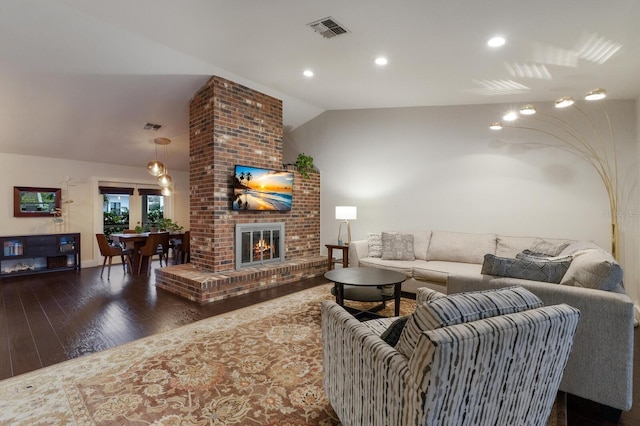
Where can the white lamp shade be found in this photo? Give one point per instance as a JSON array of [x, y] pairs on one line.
[[346, 212]]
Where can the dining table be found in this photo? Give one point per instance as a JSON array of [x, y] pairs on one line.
[[136, 241]]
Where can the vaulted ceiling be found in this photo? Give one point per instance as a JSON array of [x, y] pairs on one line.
[[80, 78]]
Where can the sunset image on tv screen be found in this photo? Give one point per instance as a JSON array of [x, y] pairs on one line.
[[262, 189]]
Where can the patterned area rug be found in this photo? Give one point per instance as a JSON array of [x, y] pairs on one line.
[[260, 365]]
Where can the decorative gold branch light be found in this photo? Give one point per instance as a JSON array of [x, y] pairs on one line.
[[600, 153]]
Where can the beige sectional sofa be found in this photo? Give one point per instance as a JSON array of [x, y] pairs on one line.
[[600, 367]]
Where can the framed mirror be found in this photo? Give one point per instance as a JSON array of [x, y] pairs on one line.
[[35, 202]]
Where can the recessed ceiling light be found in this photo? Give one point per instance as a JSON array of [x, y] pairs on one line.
[[496, 41], [510, 116], [308, 73], [380, 60]]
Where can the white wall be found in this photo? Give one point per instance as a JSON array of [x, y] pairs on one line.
[[442, 168], [86, 210]]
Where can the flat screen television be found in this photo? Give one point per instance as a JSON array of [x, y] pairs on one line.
[[262, 189]]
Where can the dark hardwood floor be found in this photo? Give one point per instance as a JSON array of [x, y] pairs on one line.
[[49, 318]]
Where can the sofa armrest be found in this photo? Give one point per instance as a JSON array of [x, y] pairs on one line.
[[600, 367], [361, 371], [357, 250]]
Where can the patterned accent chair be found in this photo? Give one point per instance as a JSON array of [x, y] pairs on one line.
[[469, 359]]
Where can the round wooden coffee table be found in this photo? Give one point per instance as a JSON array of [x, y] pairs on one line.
[[365, 277]]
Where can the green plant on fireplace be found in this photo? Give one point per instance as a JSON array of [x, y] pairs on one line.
[[304, 164]]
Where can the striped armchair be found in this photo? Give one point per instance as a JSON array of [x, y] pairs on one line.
[[503, 369]]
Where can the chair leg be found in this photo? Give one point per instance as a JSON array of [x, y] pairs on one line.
[[103, 263], [130, 263], [109, 271], [140, 264]]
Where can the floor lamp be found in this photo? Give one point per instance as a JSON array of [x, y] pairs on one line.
[[345, 214]]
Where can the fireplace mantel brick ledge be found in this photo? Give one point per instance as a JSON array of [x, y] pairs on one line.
[[205, 287]]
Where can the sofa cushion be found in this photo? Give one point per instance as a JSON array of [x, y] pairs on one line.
[[396, 246], [549, 271], [510, 246], [374, 241], [593, 268], [403, 266], [460, 247], [438, 271], [421, 241], [463, 307]]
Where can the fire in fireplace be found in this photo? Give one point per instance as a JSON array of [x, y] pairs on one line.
[[259, 243]]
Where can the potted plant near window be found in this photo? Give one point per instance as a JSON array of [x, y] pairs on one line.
[[166, 224]]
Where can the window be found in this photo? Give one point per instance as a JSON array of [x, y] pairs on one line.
[[124, 210], [115, 209], [152, 209]]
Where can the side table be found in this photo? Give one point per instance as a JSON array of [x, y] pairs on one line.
[[345, 255]]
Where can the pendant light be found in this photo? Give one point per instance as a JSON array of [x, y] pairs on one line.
[[164, 179], [155, 167]]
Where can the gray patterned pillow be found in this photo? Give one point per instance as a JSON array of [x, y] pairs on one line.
[[549, 248], [461, 308], [533, 269], [375, 244], [397, 246], [529, 255]]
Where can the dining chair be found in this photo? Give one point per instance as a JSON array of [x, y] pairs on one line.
[[182, 250], [109, 251], [149, 250], [163, 248]]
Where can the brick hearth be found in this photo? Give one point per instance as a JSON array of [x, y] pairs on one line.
[[232, 124], [204, 287]]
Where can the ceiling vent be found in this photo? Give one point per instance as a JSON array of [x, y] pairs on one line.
[[151, 126], [328, 27]]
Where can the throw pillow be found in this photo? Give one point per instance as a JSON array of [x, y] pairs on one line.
[[463, 307], [396, 246], [549, 248], [375, 244], [593, 268], [533, 269], [392, 334], [529, 255]]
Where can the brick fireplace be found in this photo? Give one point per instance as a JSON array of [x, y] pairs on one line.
[[231, 124], [259, 243]]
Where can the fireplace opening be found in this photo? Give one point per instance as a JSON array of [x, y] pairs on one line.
[[259, 243]]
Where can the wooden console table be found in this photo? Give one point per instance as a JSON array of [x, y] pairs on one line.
[[345, 255], [33, 254]]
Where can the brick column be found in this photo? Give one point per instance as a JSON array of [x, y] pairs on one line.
[[231, 124]]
